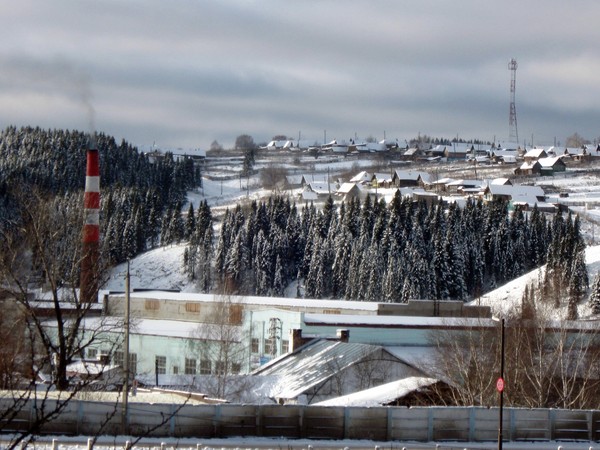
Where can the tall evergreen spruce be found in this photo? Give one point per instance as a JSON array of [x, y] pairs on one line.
[[594, 300]]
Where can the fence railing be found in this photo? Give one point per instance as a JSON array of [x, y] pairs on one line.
[[418, 424]]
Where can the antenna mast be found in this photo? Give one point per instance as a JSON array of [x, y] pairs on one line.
[[512, 117]]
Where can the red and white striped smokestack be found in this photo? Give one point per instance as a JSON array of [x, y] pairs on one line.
[[91, 228]]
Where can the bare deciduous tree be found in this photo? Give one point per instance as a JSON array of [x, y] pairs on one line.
[[40, 251]]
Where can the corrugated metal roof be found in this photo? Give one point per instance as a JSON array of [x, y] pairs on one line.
[[313, 364]]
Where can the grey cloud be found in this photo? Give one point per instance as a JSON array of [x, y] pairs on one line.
[[187, 72]]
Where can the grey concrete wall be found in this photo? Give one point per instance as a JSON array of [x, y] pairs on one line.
[[470, 424]]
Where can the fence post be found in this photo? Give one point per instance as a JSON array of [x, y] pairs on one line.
[[216, 421], [259, 422], [430, 424], [472, 424], [346, 422], [301, 422], [172, 421], [79, 417], [390, 424]]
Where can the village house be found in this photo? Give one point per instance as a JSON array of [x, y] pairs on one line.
[[534, 154], [550, 166], [408, 178], [382, 180], [362, 178], [547, 166], [348, 191]]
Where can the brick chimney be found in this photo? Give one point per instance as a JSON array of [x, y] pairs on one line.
[[296, 339], [343, 334]]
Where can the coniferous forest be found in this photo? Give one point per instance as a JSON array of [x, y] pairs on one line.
[[373, 251], [360, 250], [141, 199]]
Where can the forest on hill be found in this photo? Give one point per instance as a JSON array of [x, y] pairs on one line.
[[360, 250], [373, 251], [141, 196]]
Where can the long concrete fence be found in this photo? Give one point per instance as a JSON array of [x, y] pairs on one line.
[[426, 424]]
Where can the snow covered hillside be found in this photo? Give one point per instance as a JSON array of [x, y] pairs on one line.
[[162, 268]]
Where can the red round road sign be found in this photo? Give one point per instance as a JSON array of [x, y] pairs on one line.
[[500, 384]]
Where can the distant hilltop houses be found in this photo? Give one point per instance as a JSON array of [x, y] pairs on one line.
[[505, 153], [422, 185]]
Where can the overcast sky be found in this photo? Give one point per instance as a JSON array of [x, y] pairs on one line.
[[183, 73]]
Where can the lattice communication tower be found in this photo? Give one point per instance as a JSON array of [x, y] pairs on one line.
[[512, 116]]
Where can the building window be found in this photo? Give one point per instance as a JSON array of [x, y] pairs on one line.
[[220, 368], [133, 363], [92, 353], [151, 305], [175, 370], [192, 307], [236, 368], [190, 366], [254, 345], [205, 367], [160, 365], [271, 346], [118, 358], [285, 346]]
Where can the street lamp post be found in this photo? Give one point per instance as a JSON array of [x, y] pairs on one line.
[[500, 384]]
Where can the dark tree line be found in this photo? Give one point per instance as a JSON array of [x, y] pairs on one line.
[[373, 251], [142, 197]]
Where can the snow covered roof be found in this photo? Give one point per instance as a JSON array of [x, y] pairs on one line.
[[347, 187], [467, 183], [549, 162], [361, 177], [308, 178], [321, 187], [343, 320], [518, 192], [535, 153], [412, 175], [311, 365], [383, 177], [308, 196], [156, 327], [381, 395], [299, 303]]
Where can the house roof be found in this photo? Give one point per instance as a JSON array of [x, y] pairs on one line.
[[382, 177], [528, 165], [310, 177], [381, 395], [465, 183], [347, 187], [311, 365], [321, 187], [361, 177], [309, 195], [518, 192], [500, 182], [549, 162], [412, 175], [535, 153]]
